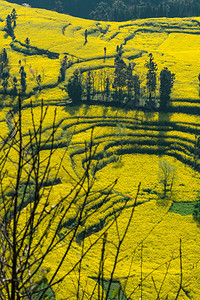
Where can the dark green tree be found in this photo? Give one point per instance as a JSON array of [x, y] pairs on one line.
[[120, 75], [88, 86], [75, 87], [59, 6], [107, 88], [119, 11], [63, 69], [27, 41], [105, 53], [86, 34], [13, 17], [5, 57], [5, 76], [9, 28], [151, 78], [102, 12], [39, 81], [166, 84], [1, 69], [136, 88], [119, 51], [14, 83], [129, 82], [3, 63], [23, 79]]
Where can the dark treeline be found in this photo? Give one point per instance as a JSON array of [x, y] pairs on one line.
[[120, 10], [79, 8]]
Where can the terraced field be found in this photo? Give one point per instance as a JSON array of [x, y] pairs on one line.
[[130, 147], [173, 42]]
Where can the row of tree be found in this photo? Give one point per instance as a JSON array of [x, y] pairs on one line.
[[120, 10], [126, 10], [124, 86], [11, 23], [5, 77]]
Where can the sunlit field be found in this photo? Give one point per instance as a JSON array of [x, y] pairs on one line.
[[130, 149], [173, 42]]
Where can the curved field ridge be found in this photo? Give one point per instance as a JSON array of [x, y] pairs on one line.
[[120, 139]]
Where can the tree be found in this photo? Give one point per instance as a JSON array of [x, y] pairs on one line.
[[14, 17], [120, 74], [166, 176], [59, 6], [27, 41], [88, 83], [119, 11], [129, 81], [166, 84], [5, 57], [105, 54], [23, 79], [1, 69], [107, 88], [11, 23], [63, 69], [86, 35], [39, 81], [5, 76], [9, 28], [101, 13], [14, 83], [3, 62], [75, 87], [151, 78], [136, 88], [4, 70]]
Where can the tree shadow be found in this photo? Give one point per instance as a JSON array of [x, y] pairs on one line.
[[72, 109]]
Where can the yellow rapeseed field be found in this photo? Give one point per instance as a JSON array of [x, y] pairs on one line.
[[131, 147], [173, 42]]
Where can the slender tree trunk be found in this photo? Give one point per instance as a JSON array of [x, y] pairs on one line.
[[15, 198]]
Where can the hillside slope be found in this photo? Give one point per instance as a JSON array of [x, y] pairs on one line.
[[131, 145], [175, 43]]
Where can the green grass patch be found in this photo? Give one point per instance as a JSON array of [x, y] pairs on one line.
[[183, 208], [115, 292]]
